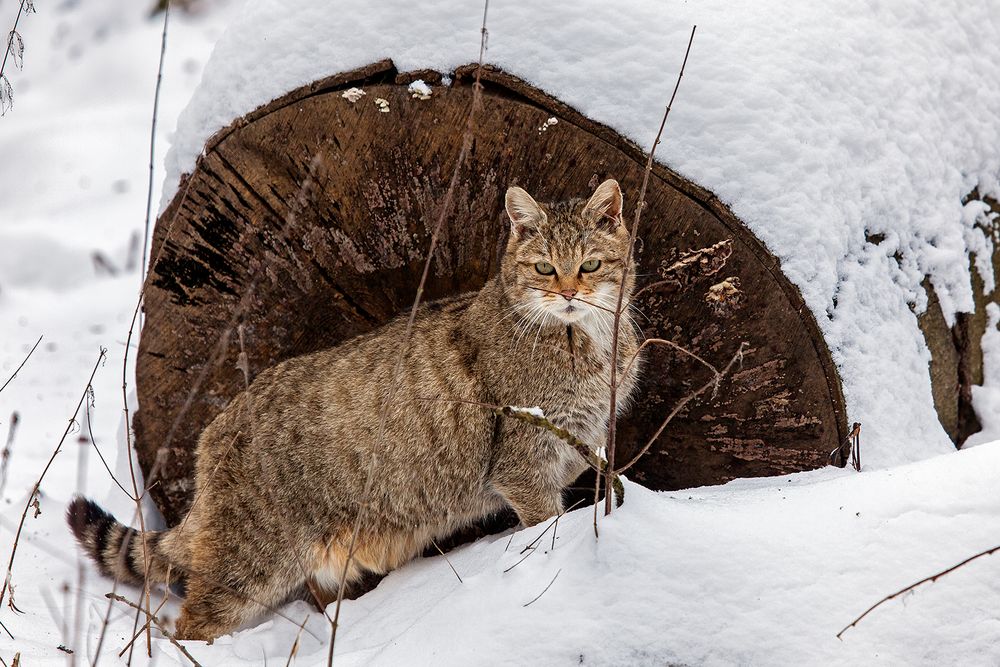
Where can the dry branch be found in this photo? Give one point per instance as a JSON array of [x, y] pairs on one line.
[[932, 578], [159, 624], [639, 205], [712, 383], [152, 136], [6, 92]]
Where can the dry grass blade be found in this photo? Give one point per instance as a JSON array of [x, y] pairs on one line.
[[23, 362], [159, 624], [97, 449], [616, 328], [544, 590], [34, 490], [932, 578], [533, 544], [295, 645], [447, 560]]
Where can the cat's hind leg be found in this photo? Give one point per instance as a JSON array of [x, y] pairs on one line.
[[229, 587]]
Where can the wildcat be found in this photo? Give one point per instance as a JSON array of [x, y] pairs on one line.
[[281, 473]]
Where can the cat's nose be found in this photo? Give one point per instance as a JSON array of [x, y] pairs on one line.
[[568, 294]]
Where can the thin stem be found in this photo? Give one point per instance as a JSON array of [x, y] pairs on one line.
[[38, 482], [152, 137], [467, 142], [933, 577], [535, 599], [159, 624], [23, 362], [671, 344], [10, 36], [713, 382], [640, 204]]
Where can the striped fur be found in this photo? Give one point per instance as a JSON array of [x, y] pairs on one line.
[[117, 549], [281, 473]]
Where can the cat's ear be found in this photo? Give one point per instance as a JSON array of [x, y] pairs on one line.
[[605, 205], [524, 212]]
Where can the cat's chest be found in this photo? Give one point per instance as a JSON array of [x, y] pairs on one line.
[[568, 384]]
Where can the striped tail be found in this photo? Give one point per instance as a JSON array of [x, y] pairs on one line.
[[118, 550]]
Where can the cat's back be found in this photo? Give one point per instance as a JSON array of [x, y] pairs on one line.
[[339, 392]]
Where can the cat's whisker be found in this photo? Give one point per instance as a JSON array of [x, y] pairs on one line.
[[540, 320], [537, 311], [540, 325]]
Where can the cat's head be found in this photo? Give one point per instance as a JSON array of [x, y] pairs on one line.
[[564, 262]]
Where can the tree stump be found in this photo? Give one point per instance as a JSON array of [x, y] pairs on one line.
[[307, 222]]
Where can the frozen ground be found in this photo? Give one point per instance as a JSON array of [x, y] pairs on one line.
[[886, 118]]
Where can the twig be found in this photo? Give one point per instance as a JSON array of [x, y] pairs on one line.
[[932, 578], [713, 382], [447, 561], [18, 369], [532, 545], [467, 142], [573, 441], [159, 624], [639, 205], [295, 645], [152, 137], [145, 242], [97, 449], [668, 343], [6, 91], [38, 482], [543, 590]]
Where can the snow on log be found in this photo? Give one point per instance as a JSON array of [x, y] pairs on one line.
[[307, 222]]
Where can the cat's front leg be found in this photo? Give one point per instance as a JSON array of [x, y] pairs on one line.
[[528, 488], [532, 504]]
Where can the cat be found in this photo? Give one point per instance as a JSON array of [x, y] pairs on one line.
[[281, 473]]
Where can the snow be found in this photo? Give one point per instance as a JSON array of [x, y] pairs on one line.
[[420, 90], [816, 123], [533, 411]]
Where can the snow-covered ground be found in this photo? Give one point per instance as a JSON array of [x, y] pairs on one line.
[[882, 117]]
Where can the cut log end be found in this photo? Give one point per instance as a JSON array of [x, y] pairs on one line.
[[308, 220]]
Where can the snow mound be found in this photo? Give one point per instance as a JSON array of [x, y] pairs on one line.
[[755, 572]]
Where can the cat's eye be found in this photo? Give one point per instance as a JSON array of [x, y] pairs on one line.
[[545, 268], [590, 265]]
